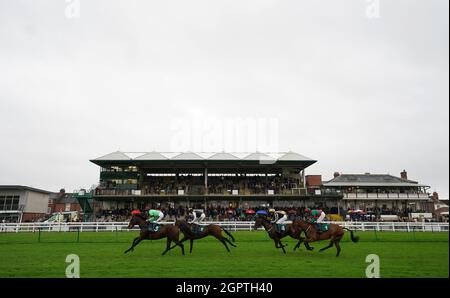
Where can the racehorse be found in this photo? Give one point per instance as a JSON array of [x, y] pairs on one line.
[[209, 230], [290, 230], [335, 233], [170, 231]]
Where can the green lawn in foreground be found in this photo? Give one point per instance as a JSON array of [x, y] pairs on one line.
[[101, 255]]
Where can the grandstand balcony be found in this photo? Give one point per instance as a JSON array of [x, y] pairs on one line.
[[385, 196]]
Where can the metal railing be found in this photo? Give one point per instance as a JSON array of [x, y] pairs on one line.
[[231, 225]]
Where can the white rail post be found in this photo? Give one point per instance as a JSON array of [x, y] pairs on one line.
[[393, 226], [96, 226]]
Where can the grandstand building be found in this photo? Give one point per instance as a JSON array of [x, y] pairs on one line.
[[20, 203], [383, 194], [244, 180]]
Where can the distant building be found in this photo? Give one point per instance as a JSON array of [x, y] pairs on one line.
[[63, 202], [383, 191], [22, 203], [439, 207]]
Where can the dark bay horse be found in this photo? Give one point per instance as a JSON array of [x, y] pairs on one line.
[[208, 230], [291, 230], [171, 232], [335, 233]]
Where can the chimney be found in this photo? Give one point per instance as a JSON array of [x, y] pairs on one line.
[[435, 196], [336, 174], [404, 175], [61, 193]]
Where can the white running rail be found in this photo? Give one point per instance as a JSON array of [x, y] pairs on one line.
[[230, 225]]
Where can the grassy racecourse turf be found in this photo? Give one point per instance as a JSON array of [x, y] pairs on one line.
[[101, 255]]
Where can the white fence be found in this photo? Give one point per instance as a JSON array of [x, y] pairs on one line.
[[230, 225]]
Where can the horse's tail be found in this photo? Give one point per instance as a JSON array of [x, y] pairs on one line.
[[353, 237], [228, 233]]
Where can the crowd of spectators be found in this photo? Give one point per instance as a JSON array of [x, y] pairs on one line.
[[219, 184], [223, 213]]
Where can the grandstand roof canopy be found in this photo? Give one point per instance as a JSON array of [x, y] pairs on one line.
[[23, 188], [204, 158], [381, 180]]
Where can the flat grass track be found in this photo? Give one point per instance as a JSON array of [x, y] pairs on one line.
[[402, 254]]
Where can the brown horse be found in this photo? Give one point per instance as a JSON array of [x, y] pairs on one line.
[[291, 230], [209, 230], [335, 233], [170, 231]]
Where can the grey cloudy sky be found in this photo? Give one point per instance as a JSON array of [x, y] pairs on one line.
[[357, 92]]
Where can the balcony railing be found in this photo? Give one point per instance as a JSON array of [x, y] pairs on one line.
[[133, 191], [385, 196]]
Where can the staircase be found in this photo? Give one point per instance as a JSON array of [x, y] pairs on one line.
[[86, 201]]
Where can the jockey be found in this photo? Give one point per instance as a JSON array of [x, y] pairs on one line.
[[315, 216], [155, 216], [276, 216], [196, 216]]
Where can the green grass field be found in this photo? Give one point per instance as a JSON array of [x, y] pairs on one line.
[[101, 255]]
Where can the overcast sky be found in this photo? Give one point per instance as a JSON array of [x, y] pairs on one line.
[[360, 86]]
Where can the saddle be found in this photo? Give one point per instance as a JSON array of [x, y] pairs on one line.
[[322, 227], [280, 228], [196, 228], [154, 227]]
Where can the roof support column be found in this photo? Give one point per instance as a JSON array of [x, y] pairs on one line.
[[303, 178], [206, 181]]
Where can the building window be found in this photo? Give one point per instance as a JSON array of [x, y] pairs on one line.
[[9, 202]]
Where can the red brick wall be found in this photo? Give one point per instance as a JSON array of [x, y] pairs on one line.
[[62, 207], [27, 217], [313, 180]]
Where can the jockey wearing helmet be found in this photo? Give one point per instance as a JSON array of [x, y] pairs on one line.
[[316, 215], [276, 216], [155, 215], [196, 216]]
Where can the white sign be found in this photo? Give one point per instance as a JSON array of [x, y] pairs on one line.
[[419, 215]]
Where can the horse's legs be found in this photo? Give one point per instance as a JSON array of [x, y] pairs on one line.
[[282, 246], [224, 243], [298, 244], [178, 243], [327, 247], [135, 242], [278, 244], [181, 241], [338, 248], [307, 246], [229, 242], [167, 246], [191, 245], [181, 245]]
